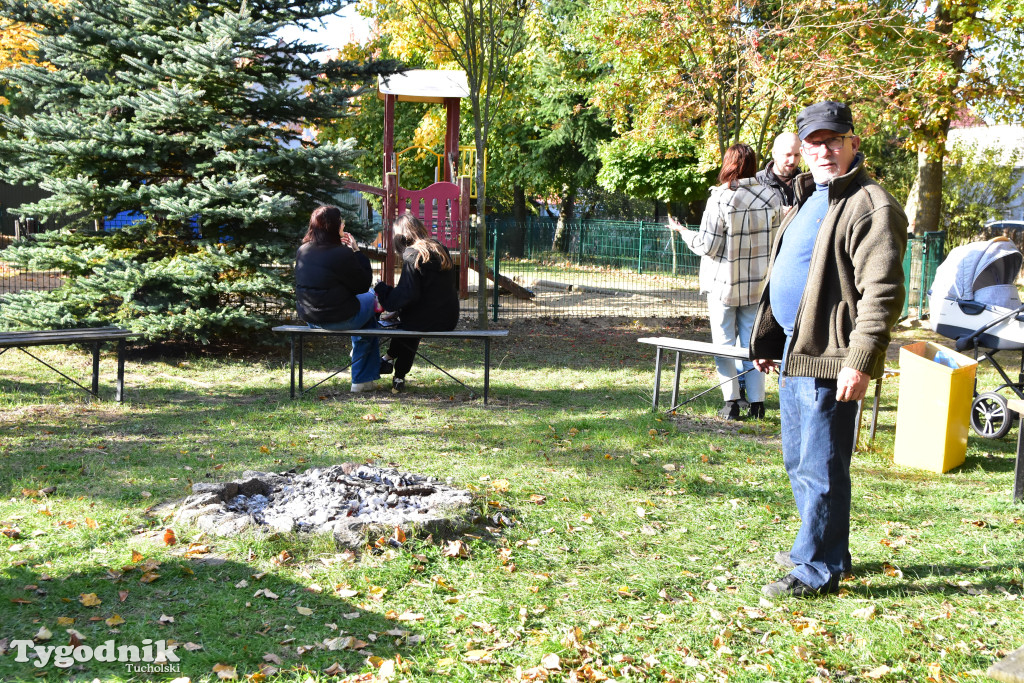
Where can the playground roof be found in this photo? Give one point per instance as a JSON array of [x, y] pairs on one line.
[[424, 85]]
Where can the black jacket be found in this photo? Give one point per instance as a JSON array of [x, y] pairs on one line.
[[327, 279], [766, 176], [427, 297]]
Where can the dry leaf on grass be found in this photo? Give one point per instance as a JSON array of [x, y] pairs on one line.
[[169, 537], [225, 672], [115, 620], [879, 672], [89, 599], [456, 549]]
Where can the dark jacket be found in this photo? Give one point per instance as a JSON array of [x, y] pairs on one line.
[[426, 297], [327, 279], [766, 176], [855, 290]]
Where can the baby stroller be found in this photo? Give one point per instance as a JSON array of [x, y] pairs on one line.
[[974, 301]]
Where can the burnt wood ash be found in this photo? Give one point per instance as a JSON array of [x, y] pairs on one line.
[[350, 500]]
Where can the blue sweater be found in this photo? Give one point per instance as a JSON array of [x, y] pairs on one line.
[[789, 275]]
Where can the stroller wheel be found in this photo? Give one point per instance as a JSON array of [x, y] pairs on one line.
[[990, 416]]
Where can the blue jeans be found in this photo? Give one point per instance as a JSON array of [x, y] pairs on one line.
[[731, 326], [818, 435], [365, 350]]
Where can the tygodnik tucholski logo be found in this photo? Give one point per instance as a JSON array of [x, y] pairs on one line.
[[153, 656]]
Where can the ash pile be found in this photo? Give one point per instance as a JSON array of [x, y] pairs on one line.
[[351, 501]]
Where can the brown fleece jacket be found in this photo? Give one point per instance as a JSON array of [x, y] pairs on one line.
[[854, 293]]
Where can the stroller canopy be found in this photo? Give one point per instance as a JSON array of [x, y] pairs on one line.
[[980, 271]]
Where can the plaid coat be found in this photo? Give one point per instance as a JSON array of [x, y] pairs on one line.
[[735, 240]]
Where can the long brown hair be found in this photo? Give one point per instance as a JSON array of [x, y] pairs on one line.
[[410, 233], [738, 162], [325, 226]]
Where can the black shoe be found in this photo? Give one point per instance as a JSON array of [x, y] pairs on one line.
[[386, 366], [792, 587], [756, 410], [730, 411], [397, 385], [782, 559]]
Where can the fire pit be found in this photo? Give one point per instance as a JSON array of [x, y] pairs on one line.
[[351, 501]]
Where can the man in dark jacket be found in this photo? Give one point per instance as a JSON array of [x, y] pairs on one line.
[[834, 290], [778, 173]]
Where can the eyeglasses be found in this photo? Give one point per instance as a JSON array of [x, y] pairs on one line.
[[833, 144]]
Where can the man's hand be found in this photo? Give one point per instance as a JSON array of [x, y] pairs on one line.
[[852, 385], [765, 365]]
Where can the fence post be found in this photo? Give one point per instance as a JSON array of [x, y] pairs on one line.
[[640, 251], [579, 252], [496, 288]]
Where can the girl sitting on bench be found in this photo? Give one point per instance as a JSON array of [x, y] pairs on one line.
[[332, 290], [426, 296]]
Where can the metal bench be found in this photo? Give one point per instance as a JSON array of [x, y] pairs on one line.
[[90, 336], [297, 334]]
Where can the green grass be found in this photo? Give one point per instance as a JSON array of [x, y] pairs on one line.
[[643, 562]]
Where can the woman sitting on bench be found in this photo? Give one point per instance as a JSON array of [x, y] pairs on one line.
[[332, 290], [426, 296]]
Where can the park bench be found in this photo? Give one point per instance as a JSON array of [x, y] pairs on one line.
[[297, 334], [90, 336], [681, 346]]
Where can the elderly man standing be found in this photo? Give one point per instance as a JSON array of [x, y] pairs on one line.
[[778, 173], [833, 291]]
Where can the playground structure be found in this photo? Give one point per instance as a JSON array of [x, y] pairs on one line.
[[443, 206]]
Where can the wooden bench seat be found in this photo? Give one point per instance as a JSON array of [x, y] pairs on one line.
[[298, 332], [91, 336]]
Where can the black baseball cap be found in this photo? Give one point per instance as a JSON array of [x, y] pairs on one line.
[[827, 115]]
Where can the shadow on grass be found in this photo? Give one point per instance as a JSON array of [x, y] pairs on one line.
[[209, 607]]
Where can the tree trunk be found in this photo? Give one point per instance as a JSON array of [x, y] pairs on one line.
[[565, 215], [481, 239], [924, 206]]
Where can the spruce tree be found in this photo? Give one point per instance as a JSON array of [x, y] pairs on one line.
[[195, 118]]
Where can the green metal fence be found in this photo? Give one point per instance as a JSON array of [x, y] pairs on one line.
[[618, 268]]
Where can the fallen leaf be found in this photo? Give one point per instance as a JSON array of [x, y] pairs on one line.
[[500, 485], [137, 556], [149, 577], [192, 647], [272, 658], [89, 599], [551, 662], [225, 672], [879, 672], [65, 621], [410, 616], [478, 657], [43, 634], [304, 611], [164, 619], [169, 537], [115, 620], [456, 549]]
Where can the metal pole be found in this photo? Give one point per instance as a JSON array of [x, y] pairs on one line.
[[494, 305]]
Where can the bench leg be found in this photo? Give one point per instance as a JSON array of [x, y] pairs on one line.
[[300, 363], [119, 391], [96, 369], [657, 379], [675, 380], [487, 365], [292, 355]]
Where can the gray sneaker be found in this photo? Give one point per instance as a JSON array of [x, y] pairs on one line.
[[358, 387], [790, 586]]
